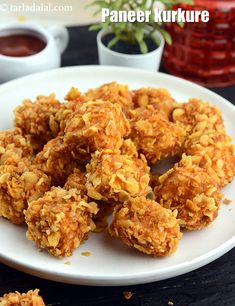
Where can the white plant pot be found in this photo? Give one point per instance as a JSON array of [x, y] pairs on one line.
[[149, 61]]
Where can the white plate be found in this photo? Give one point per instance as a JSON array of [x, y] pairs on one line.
[[110, 262]]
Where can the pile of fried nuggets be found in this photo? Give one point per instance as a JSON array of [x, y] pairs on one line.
[[65, 166]]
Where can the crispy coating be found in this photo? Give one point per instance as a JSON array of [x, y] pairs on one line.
[[113, 176], [114, 93], [65, 113], [19, 184], [207, 141], [96, 125], [56, 160], [59, 221], [189, 189], [214, 153], [129, 148], [77, 180], [74, 95], [159, 98], [13, 145], [146, 226], [31, 298], [198, 117], [37, 119], [155, 136], [74, 99]]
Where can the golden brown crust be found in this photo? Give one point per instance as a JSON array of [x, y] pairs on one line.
[[96, 125], [73, 98], [214, 153], [19, 184], [155, 136], [74, 95], [13, 145], [114, 93], [113, 176], [31, 298], [146, 226], [129, 148], [56, 160], [59, 221], [37, 119], [207, 141], [159, 98], [191, 191], [77, 180], [198, 116]]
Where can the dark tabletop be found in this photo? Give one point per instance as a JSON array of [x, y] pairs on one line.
[[214, 284]]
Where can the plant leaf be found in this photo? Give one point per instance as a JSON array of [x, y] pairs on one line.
[[181, 24], [166, 36], [95, 27], [139, 35], [113, 42], [101, 3], [191, 2], [155, 39], [170, 3], [143, 47]]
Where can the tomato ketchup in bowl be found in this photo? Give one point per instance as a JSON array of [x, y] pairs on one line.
[[30, 48], [21, 45]]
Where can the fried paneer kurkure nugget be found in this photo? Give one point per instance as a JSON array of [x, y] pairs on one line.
[[215, 153], [96, 125], [14, 145], [31, 298], [20, 183], [114, 176], [207, 141], [189, 189], [146, 226], [198, 116], [56, 160], [159, 98], [154, 135], [59, 221], [37, 120], [114, 93]]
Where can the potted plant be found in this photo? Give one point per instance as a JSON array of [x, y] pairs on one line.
[[132, 44]]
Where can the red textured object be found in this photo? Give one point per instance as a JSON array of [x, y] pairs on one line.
[[204, 52]]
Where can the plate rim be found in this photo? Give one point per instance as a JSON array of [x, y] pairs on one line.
[[132, 279]]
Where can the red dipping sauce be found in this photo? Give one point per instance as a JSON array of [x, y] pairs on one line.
[[20, 45]]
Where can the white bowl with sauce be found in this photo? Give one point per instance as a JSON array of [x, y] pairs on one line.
[[30, 48]]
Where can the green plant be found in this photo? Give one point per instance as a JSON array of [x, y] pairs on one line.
[[134, 33]]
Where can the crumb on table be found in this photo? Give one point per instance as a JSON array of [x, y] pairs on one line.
[[68, 263], [227, 201], [86, 253], [127, 295]]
